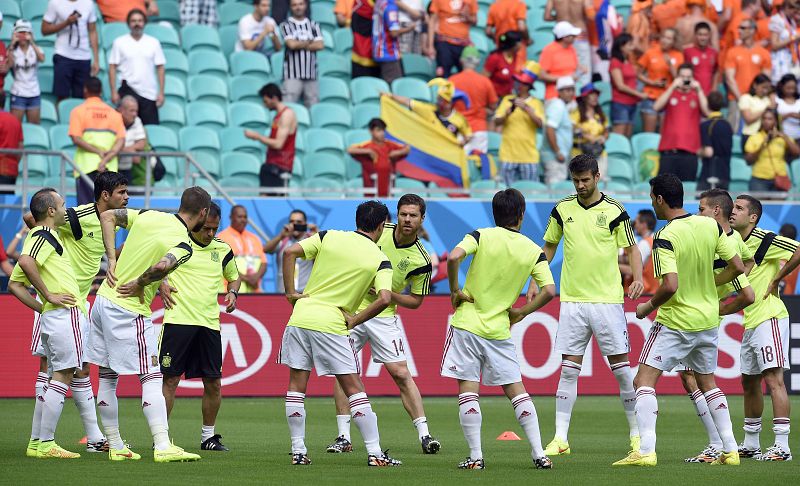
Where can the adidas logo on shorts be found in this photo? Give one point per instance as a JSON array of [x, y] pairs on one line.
[[657, 358], [452, 368], [296, 414], [471, 411], [358, 414]]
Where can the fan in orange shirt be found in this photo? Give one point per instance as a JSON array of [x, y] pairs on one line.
[[657, 68]]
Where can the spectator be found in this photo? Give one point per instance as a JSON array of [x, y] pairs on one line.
[[448, 29], [684, 104], [639, 25], [574, 16], [378, 157], [590, 128], [303, 38], [135, 136], [559, 59], [281, 141], [18, 240], [766, 151], [624, 93], [753, 103], [716, 139], [519, 118], [783, 39], [98, 133], [412, 13], [23, 59], [361, 26], [657, 68], [788, 105], [139, 58], [788, 285], [3, 66], [5, 265], [297, 229], [203, 12], [605, 23], [501, 64], [343, 10], [509, 16], [386, 31], [743, 63], [247, 250], [644, 224], [686, 26], [117, 10], [666, 14], [750, 10], [10, 138], [704, 58], [75, 24], [258, 31], [558, 132], [482, 99]]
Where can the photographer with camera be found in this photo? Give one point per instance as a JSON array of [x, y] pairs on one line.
[[23, 59], [297, 229], [684, 105]]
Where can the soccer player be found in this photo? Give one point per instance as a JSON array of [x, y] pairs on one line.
[[411, 266], [478, 345], [346, 266], [766, 332], [686, 329], [45, 263], [81, 236], [717, 204], [594, 227], [122, 339], [191, 342]]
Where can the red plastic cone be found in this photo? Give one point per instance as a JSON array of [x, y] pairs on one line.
[[508, 435], [83, 441]]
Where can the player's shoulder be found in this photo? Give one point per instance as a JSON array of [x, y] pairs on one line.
[[42, 235], [566, 202], [760, 233], [220, 245], [613, 204], [421, 253], [82, 211]]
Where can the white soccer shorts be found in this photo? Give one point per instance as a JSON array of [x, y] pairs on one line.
[[329, 354], [36, 341], [63, 332], [765, 346], [470, 357], [578, 321], [666, 348], [385, 338]]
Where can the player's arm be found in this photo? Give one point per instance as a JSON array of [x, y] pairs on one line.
[[169, 262], [109, 220], [409, 301], [666, 268], [420, 280], [232, 295], [542, 278], [383, 286], [734, 268], [28, 220], [28, 265], [744, 297], [787, 268], [454, 259], [22, 294], [635, 261], [231, 273], [290, 256]]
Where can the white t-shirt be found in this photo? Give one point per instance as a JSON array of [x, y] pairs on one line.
[[73, 40], [250, 28], [133, 134], [790, 126], [26, 77], [136, 63], [402, 16]]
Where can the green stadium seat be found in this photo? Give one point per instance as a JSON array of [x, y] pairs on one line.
[[322, 187], [540, 25], [485, 189], [41, 40], [480, 41], [561, 189], [356, 135], [354, 187], [168, 36], [300, 142], [45, 81], [208, 62], [33, 10], [643, 141], [481, 17], [245, 88], [417, 66], [618, 146], [49, 114], [168, 11], [228, 37], [738, 187], [38, 166], [618, 189], [327, 41], [244, 185], [65, 107], [250, 63], [353, 168], [343, 40], [403, 185], [736, 148], [334, 90], [11, 11], [494, 144], [365, 112], [197, 37], [530, 188], [208, 161], [620, 170], [206, 114], [332, 116], [233, 140], [177, 64], [162, 138], [324, 165], [172, 115], [111, 31], [35, 136], [174, 89], [302, 114], [605, 92], [248, 115], [234, 164], [231, 12], [276, 62], [334, 66], [59, 137], [689, 190], [199, 140], [323, 141], [366, 89], [412, 88], [324, 17], [740, 171], [209, 88]]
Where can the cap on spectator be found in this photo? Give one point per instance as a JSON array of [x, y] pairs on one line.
[[446, 90], [23, 25], [565, 29], [639, 5], [471, 52], [565, 82], [529, 74], [589, 88]]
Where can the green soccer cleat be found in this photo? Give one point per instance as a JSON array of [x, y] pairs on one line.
[[123, 454], [727, 459], [33, 447], [557, 447], [174, 454], [50, 450], [635, 458]]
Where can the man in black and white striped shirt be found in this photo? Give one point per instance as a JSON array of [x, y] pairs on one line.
[[303, 39]]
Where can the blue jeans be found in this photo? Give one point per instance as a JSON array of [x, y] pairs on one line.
[[622, 114], [761, 185]]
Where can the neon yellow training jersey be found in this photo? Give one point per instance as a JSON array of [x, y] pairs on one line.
[[502, 262], [740, 282], [346, 265], [411, 265], [197, 284], [592, 237], [151, 236], [687, 246]]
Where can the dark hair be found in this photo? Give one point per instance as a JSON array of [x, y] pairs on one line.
[[669, 187], [108, 181], [376, 123], [134, 12], [194, 199], [753, 205], [299, 211], [702, 25], [582, 163], [41, 201], [583, 106], [238, 206], [788, 230], [648, 217], [508, 206], [412, 200], [761, 78], [619, 42], [747, 3], [685, 65], [785, 79], [721, 198], [93, 86], [370, 215], [774, 113], [214, 210], [715, 101], [508, 40], [271, 90]]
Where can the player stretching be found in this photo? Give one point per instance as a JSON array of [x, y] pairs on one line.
[[411, 266], [686, 329], [81, 236], [717, 204], [478, 344], [594, 227], [191, 342], [45, 263], [346, 265], [122, 339], [766, 332]]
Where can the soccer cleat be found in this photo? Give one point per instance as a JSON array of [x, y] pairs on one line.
[[99, 446], [636, 442], [213, 444], [50, 450], [123, 454], [727, 459], [33, 447], [557, 447], [637, 459], [174, 454], [776, 453], [543, 463], [748, 453], [707, 455], [340, 445], [430, 445], [300, 460], [470, 463], [383, 460]]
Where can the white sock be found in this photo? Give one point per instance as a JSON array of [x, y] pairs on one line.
[[527, 418], [51, 409], [566, 395], [718, 406], [421, 423], [108, 407], [701, 406], [752, 432], [781, 425], [296, 418], [366, 421], [646, 415], [206, 433], [38, 401], [343, 423], [83, 397], [155, 409], [622, 372], [469, 414]]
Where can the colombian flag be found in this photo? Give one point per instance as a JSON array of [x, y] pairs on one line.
[[435, 154]]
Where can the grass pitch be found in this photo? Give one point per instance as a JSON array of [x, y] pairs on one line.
[[256, 432]]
